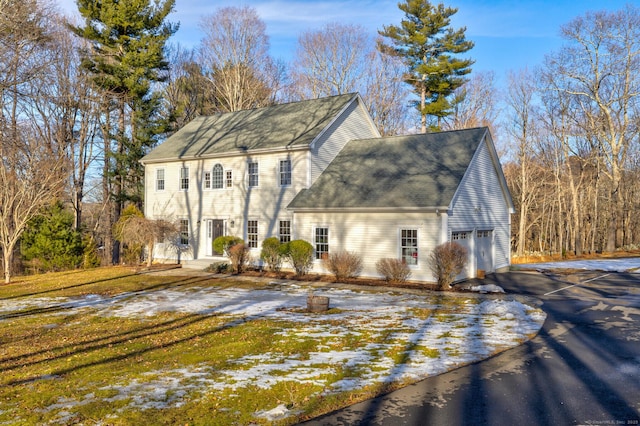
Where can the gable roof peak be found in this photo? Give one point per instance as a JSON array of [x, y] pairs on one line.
[[411, 171], [294, 124]]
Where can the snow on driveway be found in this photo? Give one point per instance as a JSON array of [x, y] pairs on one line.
[[472, 329], [631, 264]]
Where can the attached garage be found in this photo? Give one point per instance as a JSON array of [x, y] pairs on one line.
[[400, 197]]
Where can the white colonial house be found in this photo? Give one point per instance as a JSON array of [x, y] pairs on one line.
[[318, 170]]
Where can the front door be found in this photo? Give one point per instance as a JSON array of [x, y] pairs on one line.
[[215, 229]]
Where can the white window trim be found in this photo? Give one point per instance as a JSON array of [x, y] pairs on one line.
[[164, 179], [328, 228], [290, 228], [420, 254], [226, 171], [222, 177], [257, 174], [204, 180], [257, 232], [279, 171], [180, 178], [188, 232]]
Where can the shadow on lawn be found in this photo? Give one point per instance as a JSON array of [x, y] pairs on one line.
[[134, 336], [71, 305], [92, 282]]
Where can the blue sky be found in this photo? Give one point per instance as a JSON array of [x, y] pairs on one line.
[[508, 34]]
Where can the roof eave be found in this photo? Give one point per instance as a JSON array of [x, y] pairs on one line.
[[227, 154], [440, 209]]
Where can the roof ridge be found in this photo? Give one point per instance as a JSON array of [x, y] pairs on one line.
[[283, 104]]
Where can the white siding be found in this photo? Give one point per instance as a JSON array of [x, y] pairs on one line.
[[352, 124], [373, 236], [479, 204], [265, 203]]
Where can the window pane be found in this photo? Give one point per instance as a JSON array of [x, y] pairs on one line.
[[252, 233], [322, 242], [285, 231], [184, 231], [217, 176], [285, 172], [184, 178], [160, 180], [229, 179], [253, 174], [207, 180], [409, 246]]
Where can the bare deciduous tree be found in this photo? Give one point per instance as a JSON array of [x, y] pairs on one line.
[[31, 177], [475, 104], [65, 106], [187, 93], [600, 69], [340, 59], [522, 130], [235, 57], [330, 61], [385, 92], [135, 229], [33, 169]]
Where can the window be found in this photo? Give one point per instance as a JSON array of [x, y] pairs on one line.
[[217, 178], [207, 180], [322, 242], [229, 180], [184, 178], [484, 233], [409, 246], [253, 173], [284, 231], [252, 233], [285, 172], [459, 236], [160, 180], [184, 231]]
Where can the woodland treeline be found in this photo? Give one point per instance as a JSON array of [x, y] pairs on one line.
[[82, 100]]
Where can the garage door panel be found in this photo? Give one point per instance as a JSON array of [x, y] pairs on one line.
[[484, 250], [465, 239]]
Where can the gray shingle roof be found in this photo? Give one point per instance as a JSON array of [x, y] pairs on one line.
[[285, 125], [417, 171]]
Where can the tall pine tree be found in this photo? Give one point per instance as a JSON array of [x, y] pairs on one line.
[[428, 45], [126, 58]]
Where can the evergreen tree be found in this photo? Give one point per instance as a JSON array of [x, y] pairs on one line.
[[127, 57], [428, 45], [50, 242]]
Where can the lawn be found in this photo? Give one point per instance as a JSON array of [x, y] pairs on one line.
[[112, 346]]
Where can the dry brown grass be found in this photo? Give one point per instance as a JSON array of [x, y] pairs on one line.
[[518, 260]]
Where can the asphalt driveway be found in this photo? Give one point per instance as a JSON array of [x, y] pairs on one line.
[[583, 368]]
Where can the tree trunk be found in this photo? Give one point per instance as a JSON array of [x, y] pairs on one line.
[[7, 260], [615, 201], [423, 116]]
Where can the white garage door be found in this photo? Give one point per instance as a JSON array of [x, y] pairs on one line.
[[484, 250], [464, 238]]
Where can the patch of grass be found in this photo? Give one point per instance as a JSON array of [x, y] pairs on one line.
[[452, 352], [445, 335], [428, 352]]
